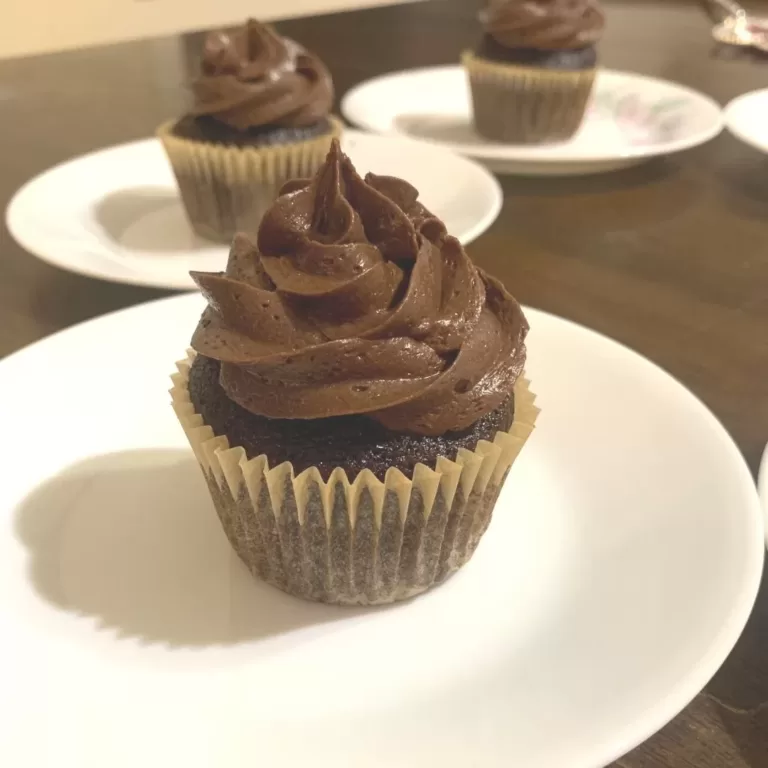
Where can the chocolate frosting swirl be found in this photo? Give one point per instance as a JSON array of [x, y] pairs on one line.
[[544, 24], [257, 78], [354, 300]]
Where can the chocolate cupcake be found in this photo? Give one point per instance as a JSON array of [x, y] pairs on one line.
[[354, 396], [533, 72], [260, 117]]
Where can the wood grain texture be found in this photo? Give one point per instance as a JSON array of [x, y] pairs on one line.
[[670, 258]]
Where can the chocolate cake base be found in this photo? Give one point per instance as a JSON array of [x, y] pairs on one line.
[[351, 442], [569, 59], [208, 129]]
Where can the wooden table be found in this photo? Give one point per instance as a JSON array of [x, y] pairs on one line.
[[670, 257]]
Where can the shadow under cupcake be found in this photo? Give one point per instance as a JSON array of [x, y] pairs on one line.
[[261, 116], [355, 396]]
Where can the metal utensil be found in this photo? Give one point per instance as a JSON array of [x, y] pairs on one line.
[[739, 28]]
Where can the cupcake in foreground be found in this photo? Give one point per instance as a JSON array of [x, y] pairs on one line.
[[260, 117], [355, 396], [533, 72]]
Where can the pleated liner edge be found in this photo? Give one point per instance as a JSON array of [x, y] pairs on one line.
[[364, 542], [226, 189], [519, 104]]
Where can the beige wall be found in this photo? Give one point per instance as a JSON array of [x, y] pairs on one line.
[[39, 26]]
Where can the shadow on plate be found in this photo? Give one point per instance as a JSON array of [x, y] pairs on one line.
[[132, 540], [150, 219], [448, 128]]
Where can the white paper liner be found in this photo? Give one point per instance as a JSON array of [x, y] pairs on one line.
[[226, 189], [363, 542], [526, 105]]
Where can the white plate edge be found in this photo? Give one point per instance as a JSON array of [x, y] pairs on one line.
[[734, 125], [762, 488], [734, 626]]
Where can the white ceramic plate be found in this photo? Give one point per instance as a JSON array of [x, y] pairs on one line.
[[619, 570], [762, 486], [116, 214], [747, 118], [632, 118]]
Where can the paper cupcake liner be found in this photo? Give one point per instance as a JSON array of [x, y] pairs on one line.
[[363, 542], [226, 189], [526, 105]]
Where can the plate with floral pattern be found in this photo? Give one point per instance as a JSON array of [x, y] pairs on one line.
[[631, 118]]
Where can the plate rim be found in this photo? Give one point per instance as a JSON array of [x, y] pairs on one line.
[[124, 274], [720, 649], [484, 153], [762, 488], [734, 125], [645, 724]]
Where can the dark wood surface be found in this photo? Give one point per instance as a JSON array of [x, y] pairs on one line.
[[670, 257]]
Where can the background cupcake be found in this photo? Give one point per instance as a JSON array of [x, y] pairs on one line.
[[260, 117], [532, 74], [356, 399]]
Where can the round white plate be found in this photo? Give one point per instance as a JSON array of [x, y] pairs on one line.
[[116, 214], [620, 567], [632, 118], [762, 487], [747, 118]]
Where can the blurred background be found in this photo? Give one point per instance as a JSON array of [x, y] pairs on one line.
[[52, 25]]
